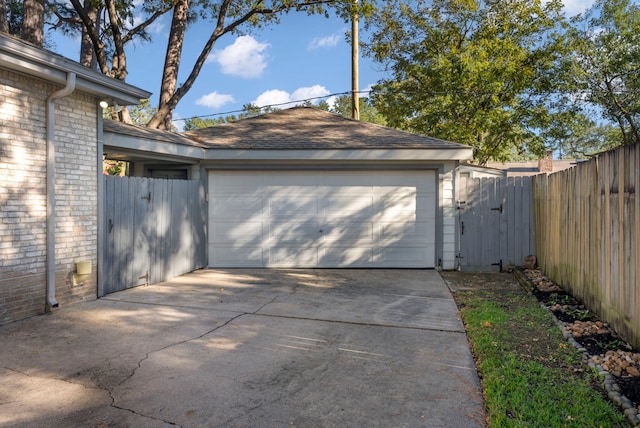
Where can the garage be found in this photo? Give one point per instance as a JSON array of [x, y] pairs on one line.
[[323, 218], [306, 188]]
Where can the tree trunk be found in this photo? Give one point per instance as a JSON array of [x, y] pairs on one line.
[[4, 24], [172, 59], [33, 22], [88, 56]]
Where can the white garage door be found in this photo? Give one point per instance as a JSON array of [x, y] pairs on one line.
[[326, 219]]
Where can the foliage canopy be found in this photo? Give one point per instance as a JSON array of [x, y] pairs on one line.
[[478, 73]]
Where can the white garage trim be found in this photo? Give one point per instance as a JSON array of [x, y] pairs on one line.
[[326, 218]]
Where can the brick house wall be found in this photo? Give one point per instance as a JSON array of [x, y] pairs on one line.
[[23, 194]]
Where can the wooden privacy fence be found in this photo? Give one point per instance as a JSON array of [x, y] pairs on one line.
[[495, 222], [154, 230], [587, 231]]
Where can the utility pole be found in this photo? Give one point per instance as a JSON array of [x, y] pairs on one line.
[[355, 103]]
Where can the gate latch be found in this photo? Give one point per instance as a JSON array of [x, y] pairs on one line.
[[497, 209]]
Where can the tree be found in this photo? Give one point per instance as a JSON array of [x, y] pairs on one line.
[[4, 13], [33, 22], [573, 135], [476, 72], [142, 113], [368, 112], [248, 110], [229, 16], [606, 63], [109, 36]]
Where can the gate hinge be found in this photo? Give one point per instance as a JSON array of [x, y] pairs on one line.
[[497, 209], [498, 264], [146, 278]]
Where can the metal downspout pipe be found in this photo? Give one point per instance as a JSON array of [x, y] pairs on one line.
[[51, 189]]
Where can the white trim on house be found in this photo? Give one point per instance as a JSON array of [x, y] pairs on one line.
[[23, 58], [153, 149], [344, 154]]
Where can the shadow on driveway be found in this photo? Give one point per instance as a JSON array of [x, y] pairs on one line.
[[260, 348]]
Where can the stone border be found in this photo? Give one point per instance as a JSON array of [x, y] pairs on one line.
[[610, 383]]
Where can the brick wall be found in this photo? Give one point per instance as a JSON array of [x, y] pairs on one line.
[[23, 195]]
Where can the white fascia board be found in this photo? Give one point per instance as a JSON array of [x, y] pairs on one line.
[[152, 146], [25, 59], [342, 155]]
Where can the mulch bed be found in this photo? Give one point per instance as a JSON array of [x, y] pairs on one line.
[[604, 347]]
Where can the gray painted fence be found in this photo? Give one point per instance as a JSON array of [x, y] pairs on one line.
[[154, 230], [495, 222]]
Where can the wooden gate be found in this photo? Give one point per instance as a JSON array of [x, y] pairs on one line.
[[495, 222], [154, 230]]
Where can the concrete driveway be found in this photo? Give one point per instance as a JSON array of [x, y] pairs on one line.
[[248, 348]]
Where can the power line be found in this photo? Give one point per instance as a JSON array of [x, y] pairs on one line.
[[274, 105], [406, 93]]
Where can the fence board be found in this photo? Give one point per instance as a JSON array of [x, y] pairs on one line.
[[151, 232], [587, 231]]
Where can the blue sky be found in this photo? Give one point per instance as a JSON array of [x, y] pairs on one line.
[[302, 57]]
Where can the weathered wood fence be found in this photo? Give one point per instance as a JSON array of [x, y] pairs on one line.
[[495, 222], [587, 234], [154, 230]]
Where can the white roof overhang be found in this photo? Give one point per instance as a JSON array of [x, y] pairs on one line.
[[26, 59], [436, 154]]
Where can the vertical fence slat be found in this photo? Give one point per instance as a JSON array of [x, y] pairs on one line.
[[587, 231]]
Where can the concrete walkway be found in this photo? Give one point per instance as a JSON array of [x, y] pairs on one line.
[[248, 348]]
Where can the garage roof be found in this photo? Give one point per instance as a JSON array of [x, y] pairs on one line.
[[296, 134], [301, 128]]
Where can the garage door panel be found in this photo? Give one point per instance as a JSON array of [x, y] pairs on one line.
[[290, 178], [424, 181], [290, 205], [236, 181], [354, 179], [397, 232], [348, 206], [237, 231], [288, 256], [362, 232], [404, 256], [283, 231], [236, 255], [236, 205], [346, 256]]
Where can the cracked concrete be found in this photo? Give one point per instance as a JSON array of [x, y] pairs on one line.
[[243, 348]]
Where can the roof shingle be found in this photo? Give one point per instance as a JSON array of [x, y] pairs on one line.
[[309, 128]]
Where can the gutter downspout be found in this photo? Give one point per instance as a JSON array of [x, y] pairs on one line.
[[51, 189]]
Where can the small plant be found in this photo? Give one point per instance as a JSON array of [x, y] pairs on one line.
[[579, 314], [559, 299]]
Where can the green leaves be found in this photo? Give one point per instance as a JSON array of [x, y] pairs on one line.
[[606, 63], [468, 71]]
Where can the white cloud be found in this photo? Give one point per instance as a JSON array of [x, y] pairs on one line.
[[285, 99], [214, 100], [324, 42], [309, 92], [244, 58]]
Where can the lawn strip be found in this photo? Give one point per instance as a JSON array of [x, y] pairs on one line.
[[530, 376]]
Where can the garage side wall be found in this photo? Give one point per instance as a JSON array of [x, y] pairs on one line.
[[23, 195], [447, 214]]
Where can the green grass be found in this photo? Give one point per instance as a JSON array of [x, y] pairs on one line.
[[531, 376]]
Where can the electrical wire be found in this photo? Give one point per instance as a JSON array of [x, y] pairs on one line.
[[367, 91]]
